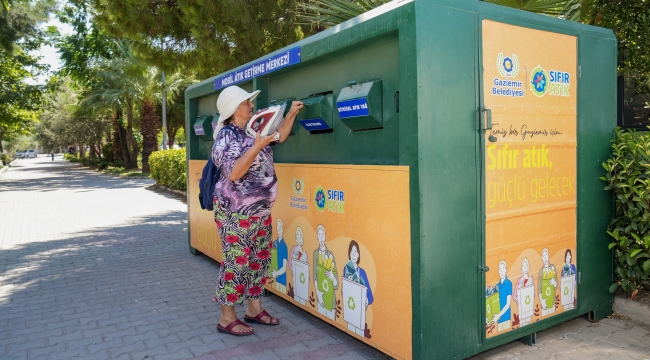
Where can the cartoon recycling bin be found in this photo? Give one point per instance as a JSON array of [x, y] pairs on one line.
[[439, 194]]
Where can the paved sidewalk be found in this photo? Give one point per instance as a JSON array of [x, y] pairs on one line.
[[97, 267]]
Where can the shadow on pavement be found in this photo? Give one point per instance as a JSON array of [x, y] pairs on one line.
[[69, 177]]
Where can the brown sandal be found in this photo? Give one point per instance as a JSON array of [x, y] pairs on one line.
[[229, 327], [258, 319]]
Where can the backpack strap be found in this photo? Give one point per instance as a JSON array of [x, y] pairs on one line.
[[231, 130]]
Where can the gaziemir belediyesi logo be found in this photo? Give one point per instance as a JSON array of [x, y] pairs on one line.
[[297, 201], [508, 85]]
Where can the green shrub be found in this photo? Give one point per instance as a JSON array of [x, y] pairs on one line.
[[628, 176], [86, 161], [107, 152], [69, 157], [5, 159], [103, 165], [168, 168]]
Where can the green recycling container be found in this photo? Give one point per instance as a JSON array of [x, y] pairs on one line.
[[447, 164]]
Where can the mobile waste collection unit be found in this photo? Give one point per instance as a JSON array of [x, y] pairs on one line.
[[447, 167]]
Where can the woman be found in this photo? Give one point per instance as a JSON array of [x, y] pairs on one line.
[[354, 272], [243, 198]]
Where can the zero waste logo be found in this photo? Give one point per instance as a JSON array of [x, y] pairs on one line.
[[319, 199], [554, 82], [538, 81]]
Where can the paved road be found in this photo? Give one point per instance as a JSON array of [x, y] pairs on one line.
[[97, 267]]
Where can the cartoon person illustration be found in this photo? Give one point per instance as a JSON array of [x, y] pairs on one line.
[[280, 275], [352, 271], [298, 257], [504, 288], [569, 270], [297, 251], [546, 285], [524, 281], [325, 276]]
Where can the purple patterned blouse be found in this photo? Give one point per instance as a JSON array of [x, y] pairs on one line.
[[255, 192]]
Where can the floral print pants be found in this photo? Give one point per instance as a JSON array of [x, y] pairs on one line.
[[246, 242]]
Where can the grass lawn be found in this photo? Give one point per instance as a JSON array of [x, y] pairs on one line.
[[120, 171]]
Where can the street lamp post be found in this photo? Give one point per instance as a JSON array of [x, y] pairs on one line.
[[164, 113]]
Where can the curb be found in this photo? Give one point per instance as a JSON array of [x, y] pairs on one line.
[[637, 312], [178, 192], [6, 168]]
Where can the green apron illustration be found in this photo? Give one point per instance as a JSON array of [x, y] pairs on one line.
[[493, 306], [274, 259], [548, 293], [326, 286]]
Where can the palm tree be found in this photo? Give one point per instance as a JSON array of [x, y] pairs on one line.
[[325, 13], [119, 89]]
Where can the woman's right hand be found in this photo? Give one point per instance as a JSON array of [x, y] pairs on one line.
[[262, 141]]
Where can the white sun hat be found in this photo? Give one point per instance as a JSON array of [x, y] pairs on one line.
[[228, 102]]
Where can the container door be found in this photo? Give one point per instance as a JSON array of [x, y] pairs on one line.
[[529, 120]]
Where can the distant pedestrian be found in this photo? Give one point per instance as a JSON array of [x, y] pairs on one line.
[[52, 155], [244, 196]]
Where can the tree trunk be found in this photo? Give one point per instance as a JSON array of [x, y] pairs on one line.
[[120, 151], [1, 149], [172, 136], [130, 139], [82, 151], [149, 130]]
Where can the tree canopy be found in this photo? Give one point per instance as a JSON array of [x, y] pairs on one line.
[[206, 36]]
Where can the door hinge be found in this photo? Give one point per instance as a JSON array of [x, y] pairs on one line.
[[579, 71], [488, 123], [483, 268]]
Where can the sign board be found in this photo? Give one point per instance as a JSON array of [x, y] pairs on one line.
[[353, 108], [530, 84], [198, 129], [314, 124], [262, 67]]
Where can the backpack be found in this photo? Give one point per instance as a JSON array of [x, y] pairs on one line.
[[209, 180]]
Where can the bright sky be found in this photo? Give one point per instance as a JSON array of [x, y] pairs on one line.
[[48, 54]]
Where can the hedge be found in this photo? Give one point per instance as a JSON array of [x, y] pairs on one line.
[[628, 176], [168, 168]]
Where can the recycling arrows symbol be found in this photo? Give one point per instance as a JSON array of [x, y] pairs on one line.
[[302, 278], [351, 304], [326, 286], [548, 291], [566, 290], [527, 301]]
